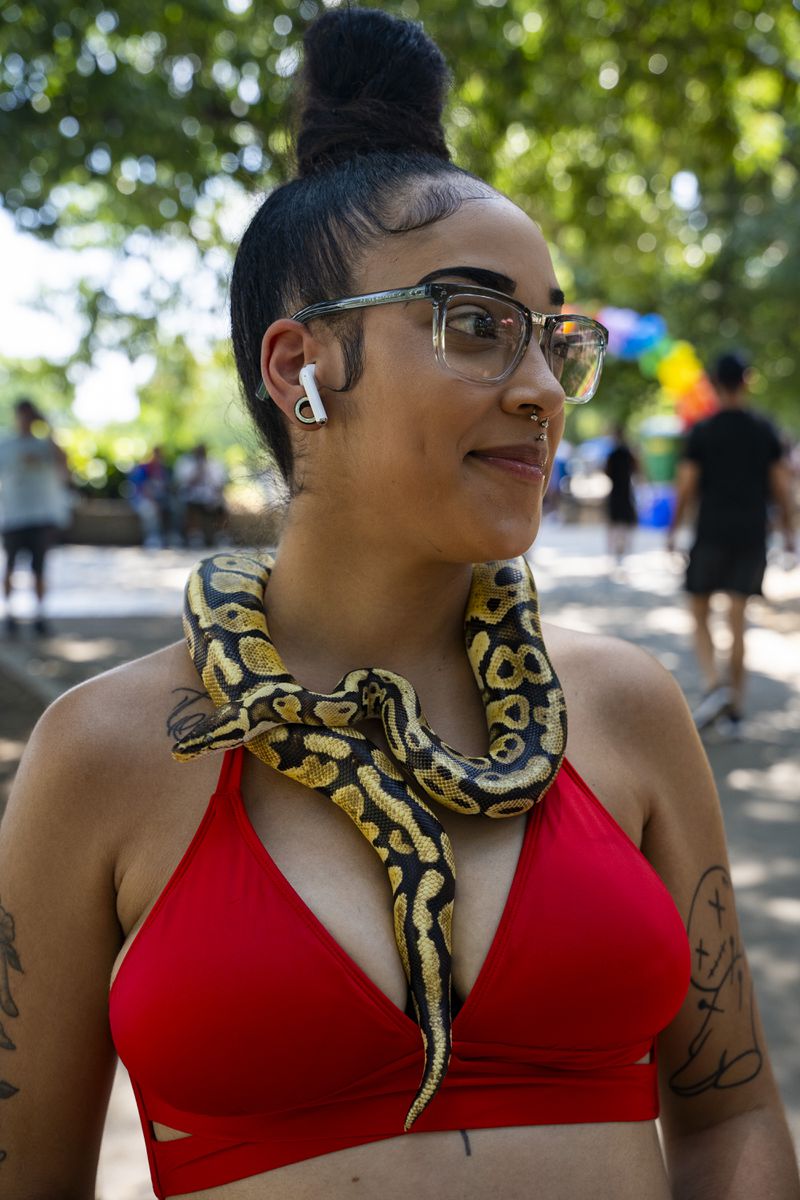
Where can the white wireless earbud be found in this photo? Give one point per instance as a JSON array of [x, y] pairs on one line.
[[312, 393]]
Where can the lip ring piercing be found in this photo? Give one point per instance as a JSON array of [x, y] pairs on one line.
[[544, 422]]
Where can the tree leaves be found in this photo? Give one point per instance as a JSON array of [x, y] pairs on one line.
[[582, 112]]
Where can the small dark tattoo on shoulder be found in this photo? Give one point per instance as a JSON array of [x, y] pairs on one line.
[[191, 709], [9, 961], [724, 1053]]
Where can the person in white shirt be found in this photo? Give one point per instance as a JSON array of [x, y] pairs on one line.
[[34, 503], [200, 485]]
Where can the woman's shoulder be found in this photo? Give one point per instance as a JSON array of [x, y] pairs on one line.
[[104, 747], [625, 710], [123, 706], [619, 671]]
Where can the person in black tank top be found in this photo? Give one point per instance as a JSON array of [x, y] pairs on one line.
[[733, 469]]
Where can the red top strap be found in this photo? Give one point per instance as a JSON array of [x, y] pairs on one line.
[[230, 775]]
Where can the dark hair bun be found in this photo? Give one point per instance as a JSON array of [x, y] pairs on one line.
[[370, 82]]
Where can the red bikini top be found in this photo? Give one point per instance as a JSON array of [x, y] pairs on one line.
[[245, 1025]]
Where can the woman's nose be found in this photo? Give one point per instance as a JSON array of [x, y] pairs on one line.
[[533, 388]]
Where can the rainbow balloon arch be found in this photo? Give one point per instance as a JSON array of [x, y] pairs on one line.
[[689, 395], [634, 337]]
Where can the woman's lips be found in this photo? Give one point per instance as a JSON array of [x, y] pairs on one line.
[[526, 462]]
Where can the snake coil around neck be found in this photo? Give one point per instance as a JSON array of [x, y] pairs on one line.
[[311, 737]]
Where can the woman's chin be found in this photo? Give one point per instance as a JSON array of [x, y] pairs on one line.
[[509, 540]]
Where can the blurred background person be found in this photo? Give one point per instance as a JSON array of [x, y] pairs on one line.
[[558, 482], [733, 468], [621, 467], [200, 487], [151, 498], [34, 502], [786, 556]]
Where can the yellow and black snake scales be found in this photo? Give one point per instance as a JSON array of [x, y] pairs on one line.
[[310, 737]]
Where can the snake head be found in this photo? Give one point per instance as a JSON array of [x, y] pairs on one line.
[[223, 729]]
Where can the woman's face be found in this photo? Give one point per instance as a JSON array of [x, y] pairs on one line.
[[442, 466]]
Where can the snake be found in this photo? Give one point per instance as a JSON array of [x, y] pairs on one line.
[[311, 737]]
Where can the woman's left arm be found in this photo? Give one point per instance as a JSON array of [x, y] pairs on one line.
[[724, 1128]]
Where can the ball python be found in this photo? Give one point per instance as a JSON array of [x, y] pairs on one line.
[[311, 737]]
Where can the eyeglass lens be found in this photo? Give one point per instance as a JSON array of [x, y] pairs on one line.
[[574, 353], [483, 337]]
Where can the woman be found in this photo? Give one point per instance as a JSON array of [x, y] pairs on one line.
[[260, 995]]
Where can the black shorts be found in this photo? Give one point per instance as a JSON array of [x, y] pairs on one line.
[[714, 568], [36, 539]]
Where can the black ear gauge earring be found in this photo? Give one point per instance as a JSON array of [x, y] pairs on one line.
[[302, 418], [318, 417], [312, 398]]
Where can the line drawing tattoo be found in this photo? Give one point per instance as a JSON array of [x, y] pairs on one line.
[[467, 1146], [722, 1054], [186, 715], [9, 961]]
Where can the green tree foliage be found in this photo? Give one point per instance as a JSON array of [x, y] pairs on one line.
[[185, 401], [157, 116]]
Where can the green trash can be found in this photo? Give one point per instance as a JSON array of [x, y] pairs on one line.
[[661, 439]]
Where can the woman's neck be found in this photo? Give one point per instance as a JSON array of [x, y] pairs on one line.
[[334, 606]]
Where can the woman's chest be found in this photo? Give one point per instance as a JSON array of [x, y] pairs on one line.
[[277, 932], [333, 871]]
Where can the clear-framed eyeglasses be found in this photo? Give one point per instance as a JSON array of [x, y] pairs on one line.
[[481, 335]]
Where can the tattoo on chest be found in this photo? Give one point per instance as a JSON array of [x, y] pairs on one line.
[[724, 1052], [9, 961], [191, 707]]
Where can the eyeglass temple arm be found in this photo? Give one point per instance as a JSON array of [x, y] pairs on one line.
[[325, 307], [392, 296]]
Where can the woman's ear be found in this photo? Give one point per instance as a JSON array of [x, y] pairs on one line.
[[287, 346]]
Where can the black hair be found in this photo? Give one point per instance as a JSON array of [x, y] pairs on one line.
[[367, 128], [730, 370]]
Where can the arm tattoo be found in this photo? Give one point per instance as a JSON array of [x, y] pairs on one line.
[[9, 960], [718, 1056], [191, 708], [467, 1147]]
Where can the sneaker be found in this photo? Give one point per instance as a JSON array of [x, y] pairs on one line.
[[41, 627], [713, 705]]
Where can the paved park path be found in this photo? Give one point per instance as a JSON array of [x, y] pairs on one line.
[[111, 605]]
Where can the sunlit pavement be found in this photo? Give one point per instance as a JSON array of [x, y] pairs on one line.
[[108, 605], [758, 777], [114, 581]]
